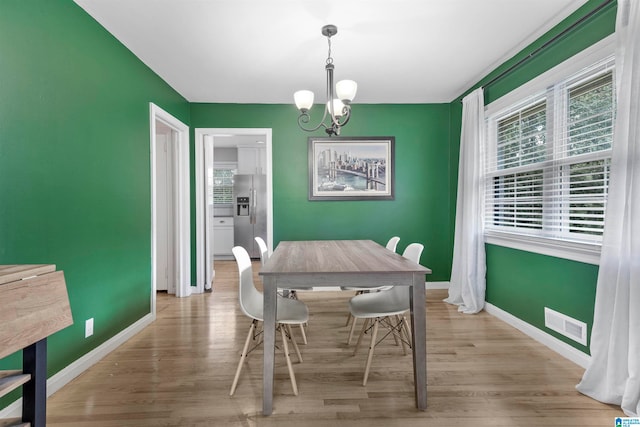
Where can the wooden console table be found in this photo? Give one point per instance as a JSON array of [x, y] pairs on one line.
[[33, 305]]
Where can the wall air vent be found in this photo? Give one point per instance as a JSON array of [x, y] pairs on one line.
[[565, 325]]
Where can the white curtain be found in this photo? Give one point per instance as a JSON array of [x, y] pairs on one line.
[[467, 285], [613, 375]]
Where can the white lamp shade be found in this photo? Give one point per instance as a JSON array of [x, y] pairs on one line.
[[346, 90], [338, 106], [303, 99]]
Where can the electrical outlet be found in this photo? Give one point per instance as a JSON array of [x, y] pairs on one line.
[[88, 328]]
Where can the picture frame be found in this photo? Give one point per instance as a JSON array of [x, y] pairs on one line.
[[351, 168]]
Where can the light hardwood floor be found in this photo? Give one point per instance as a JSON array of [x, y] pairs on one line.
[[178, 371]]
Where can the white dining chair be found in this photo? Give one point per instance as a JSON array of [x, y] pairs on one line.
[[289, 312], [392, 244], [292, 293], [386, 308]]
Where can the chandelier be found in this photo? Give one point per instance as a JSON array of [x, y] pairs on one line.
[[338, 107]]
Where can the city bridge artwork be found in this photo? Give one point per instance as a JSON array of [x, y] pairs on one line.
[[351, 168]]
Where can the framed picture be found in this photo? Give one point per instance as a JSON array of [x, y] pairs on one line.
[[351, 168]]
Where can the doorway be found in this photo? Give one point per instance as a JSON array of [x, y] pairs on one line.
[[170, 238], [208, 141], [166, 147]]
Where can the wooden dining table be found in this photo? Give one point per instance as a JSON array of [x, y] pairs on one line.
[[353, 263]]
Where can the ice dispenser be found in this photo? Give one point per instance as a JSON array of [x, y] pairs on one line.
[[242, 206]]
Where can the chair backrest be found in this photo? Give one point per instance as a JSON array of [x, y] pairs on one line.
[[250, 298], [393, 243], [264, 251], [413, 253]]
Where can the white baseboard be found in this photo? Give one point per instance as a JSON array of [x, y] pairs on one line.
[[77, 367], [560, 347], [437, 285]]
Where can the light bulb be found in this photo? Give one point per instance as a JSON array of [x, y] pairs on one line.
[[346, 90], [303, 100], [337, 106]]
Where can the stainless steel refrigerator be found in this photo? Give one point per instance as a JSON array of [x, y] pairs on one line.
[[249, 211]]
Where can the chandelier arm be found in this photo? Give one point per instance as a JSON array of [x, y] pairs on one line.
[[346, 115], [304, 118]]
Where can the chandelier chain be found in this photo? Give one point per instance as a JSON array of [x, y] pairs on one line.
[[329, 58]]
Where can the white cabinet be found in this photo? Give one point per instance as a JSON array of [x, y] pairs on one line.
[[252, 160], [222, 235]]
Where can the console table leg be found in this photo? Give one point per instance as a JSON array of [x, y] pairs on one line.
[[34, 392]]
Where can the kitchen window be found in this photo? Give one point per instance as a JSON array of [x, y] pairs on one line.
[[548, 165], [221, 186]]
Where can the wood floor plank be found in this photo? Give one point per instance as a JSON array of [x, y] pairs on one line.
[[178, 371]]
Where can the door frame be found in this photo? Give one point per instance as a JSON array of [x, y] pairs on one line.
[[182, 200], [203, 269]]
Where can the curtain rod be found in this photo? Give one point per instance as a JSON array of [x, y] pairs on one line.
[[548, 43]]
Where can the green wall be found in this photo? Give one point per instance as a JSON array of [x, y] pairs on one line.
[[421, 211], [74, 165], [519, 282], [523, 283]]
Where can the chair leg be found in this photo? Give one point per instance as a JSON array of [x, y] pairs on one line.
[[407, 330], [402, 333], [243, 357], [353, 327], [364, 328], [372, 346], [286, 355], [295, 344], [349, 316], [395, 333], [294, 295], [303, 333], [407, 327], [348, 319]]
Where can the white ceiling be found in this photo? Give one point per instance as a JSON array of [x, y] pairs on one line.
[[261, 51]]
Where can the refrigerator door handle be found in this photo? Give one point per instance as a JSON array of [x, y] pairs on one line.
[[254, 205]]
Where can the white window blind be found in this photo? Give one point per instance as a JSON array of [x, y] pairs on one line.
[[548, 159]]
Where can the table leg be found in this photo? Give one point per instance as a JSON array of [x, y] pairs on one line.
[[419, 341], [34, 392], [269, 312]]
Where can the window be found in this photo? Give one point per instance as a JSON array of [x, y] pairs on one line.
[[221, 185], [549, 159]]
